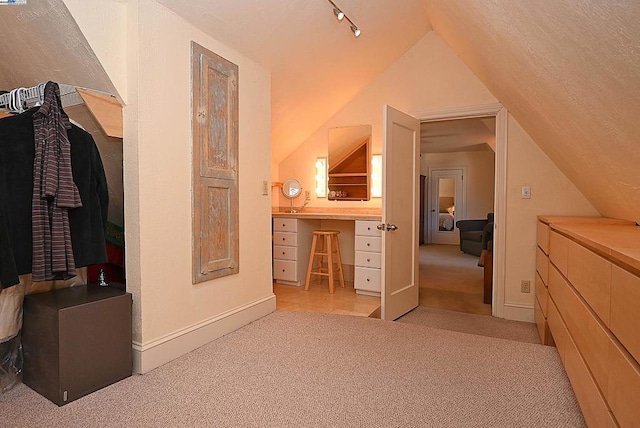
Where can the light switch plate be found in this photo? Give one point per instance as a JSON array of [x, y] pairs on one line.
[[265, 188], [526, 192]]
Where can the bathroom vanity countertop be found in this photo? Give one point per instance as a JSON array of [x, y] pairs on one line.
[[331, 213]]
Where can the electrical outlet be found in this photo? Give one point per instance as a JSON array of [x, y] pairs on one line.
[[525, 286], [526, 192]]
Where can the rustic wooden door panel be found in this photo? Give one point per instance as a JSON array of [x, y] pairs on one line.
[[215, 170]]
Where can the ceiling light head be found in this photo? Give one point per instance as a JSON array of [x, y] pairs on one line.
[[356, 30], [338, 13]]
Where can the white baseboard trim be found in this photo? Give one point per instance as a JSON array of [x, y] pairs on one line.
[[517, 312], [155, 353]]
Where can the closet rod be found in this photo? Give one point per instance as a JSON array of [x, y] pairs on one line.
[[68, 93]]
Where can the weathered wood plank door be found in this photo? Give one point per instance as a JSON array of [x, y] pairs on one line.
[[215, 165]]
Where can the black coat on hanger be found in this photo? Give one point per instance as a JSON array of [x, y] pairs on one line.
[[87, 223]]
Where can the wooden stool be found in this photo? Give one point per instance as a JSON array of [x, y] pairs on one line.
[[329, 246]]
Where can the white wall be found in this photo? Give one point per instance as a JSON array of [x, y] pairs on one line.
[[431, 78], [171, 315]]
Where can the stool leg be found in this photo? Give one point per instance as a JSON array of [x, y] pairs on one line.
[[322, 243], [330, 263], [310, 266], [339, 261]]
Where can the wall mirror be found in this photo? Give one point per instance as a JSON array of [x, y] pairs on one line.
[[291, 189], [349, 160]]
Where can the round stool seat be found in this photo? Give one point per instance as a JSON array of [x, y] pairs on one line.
[[325, 244]]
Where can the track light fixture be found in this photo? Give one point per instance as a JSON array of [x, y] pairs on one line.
[[340, 15]]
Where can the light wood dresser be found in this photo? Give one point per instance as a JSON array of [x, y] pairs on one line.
[[588, 305]]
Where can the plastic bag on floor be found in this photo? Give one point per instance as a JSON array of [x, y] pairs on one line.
[[10, 363]]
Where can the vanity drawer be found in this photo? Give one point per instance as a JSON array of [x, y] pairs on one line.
[[284, 253], [285, 238], [367, 228], [285, 270], [367, 279], [366, 259], [285, 224], [368, 243]]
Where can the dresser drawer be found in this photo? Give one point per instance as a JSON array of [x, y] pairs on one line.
[[369, 243], [367, 228], [624, 386], [542, 295], [284, 253], [586, 331], [558, 330], [366, 259], [542, 236], [366, 279], [559, 251], [542, 265], [285, 238], [285, 225], [541, 322], [625, 309], [590, 274], [285, 270]]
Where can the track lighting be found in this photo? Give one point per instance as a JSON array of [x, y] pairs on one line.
[[340, 15]]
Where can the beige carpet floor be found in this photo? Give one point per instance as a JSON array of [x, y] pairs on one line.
[[483, 325], [292, 369]]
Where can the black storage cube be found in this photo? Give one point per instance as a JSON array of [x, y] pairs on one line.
[[76, 340]]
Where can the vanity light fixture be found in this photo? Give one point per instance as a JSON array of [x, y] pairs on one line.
[[321, 177], [376, 176], [340, 16]]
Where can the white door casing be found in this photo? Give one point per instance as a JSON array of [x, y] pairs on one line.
[[400, 213]]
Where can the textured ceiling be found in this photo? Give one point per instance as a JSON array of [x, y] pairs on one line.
[[316, 63], [569, 72], [41, 42]]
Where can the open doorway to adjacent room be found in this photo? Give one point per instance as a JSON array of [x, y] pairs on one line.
[[457, 169]]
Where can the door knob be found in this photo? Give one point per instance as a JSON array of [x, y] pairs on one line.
[[387, 227]]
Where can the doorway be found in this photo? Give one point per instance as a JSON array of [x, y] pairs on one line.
[[456, 152]]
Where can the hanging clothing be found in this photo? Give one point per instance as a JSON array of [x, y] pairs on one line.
[[54, 191], [87, 223]]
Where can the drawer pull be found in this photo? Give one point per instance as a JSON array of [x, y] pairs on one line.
[[284, 239], [368, 228], [368, 280], [368, 260], [283, 270], [283, 253], [368, 244]]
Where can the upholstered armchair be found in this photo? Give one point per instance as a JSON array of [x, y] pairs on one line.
[[475, 234]]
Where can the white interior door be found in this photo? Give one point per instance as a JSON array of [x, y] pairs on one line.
[[446, 205], [400, 213]]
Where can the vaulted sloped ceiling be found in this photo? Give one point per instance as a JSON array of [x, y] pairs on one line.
[[569, 72], [316, 63]]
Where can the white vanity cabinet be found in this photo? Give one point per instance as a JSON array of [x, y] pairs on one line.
[[291, 246], [368, 261]]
